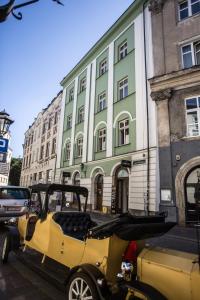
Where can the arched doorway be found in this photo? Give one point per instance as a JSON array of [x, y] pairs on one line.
[[122, 189], [99, 192], [191, 180], [76, 179]]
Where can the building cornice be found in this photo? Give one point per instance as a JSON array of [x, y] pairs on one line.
[[176, 80]]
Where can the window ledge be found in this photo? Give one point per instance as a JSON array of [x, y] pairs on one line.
[[190, 138], [81, 92], [99, 151], [119, 146], [188, 18], [101, 75], [100, 111], [118, 100], [119, 60]]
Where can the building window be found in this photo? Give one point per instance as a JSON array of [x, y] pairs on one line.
[[102, 101], [69, 121], [123, 88], [79, 147], [191, 55], [188, 8], [82, 84], [42, 152], [56, 118], [124, 132], [35, 177], [193, 116], [71, 94], [44, 127], [68, 149], [40, 176], [103, 67], [50, 123], [123, 50], [81, 114], [102, 139], [53, 149], [48, 176], [47, 149]]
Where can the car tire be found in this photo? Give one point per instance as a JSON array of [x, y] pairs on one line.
[[6, 247], [81, 286]]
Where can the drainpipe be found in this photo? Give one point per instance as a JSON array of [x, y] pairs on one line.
[[147, 118]]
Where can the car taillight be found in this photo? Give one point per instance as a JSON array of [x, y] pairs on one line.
[[130, 254]]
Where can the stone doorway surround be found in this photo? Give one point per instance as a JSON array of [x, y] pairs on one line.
[[179, 186]]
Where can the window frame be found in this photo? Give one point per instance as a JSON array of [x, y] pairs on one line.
[[193, 53], [69, 121], [82, 84], [124, 96], [189, 3], [81, 115], [53, 147], [71, 95], [197, 109], [101, 99], [47, 150], [102, 137], [121, 51], [124, 129], [103, 68], [67, 151], [79, 147], [42, 152]]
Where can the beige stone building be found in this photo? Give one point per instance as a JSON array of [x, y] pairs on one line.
[[176, 91], [40, 146]]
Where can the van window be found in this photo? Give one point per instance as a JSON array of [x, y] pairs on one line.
[[12, 193]]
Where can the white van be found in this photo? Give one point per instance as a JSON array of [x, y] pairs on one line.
[[13, 201]]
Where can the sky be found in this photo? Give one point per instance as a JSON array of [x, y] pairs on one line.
[[38, 51]]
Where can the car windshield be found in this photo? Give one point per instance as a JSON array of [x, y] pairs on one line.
[[63, 201], [12, 193]]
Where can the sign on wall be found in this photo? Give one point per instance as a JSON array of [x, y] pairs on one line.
[[3, 145]]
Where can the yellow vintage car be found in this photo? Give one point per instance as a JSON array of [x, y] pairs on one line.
[[106, 261]]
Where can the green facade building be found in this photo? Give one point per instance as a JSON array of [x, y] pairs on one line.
[[108, 138]]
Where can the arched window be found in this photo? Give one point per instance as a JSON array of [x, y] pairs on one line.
[[123, 132]]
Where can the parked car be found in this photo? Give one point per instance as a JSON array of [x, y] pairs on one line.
[[106, 261], [13, 201]]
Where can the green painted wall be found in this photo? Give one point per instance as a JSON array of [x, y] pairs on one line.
[[123, 68]]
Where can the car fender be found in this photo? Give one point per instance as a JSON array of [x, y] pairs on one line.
[[14, 237], [95, 274]]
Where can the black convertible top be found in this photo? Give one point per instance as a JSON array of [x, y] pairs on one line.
[[129, 227], [49, 188]]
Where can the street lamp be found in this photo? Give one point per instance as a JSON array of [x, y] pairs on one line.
[[5, 122], [8, 8]]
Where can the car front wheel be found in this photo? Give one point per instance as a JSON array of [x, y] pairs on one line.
[[81, 287], [5, 249]]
